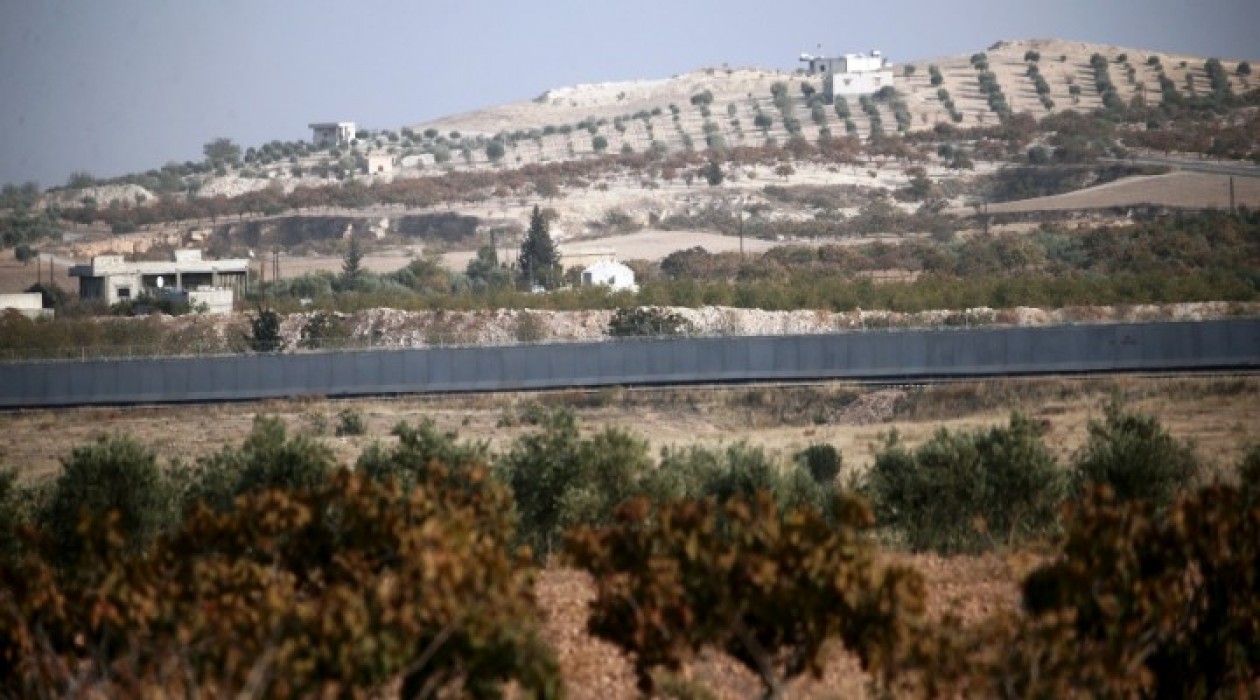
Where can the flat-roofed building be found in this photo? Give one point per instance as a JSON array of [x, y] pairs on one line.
[[29, 304], [325, 134], [111, 278], [850, 74]]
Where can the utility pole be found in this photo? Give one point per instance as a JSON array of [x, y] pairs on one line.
[[741, 233], [1232, 210], [986, 213]]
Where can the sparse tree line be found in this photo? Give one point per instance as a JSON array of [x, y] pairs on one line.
[[1200, 257], [272, 568]]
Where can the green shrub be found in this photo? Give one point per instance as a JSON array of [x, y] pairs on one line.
[[350, 422], [18, 509], [561, 480], [418, 449], [964, 491], [647, 321], [1135, 457], [823, 462], [115, 476], [265, 331], [1249, 471], [268, 459], [743, 472]]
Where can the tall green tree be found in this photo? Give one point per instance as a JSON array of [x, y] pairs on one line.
[[352, 265], [539, 261]]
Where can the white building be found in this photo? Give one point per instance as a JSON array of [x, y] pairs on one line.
[[613, 275], [111, 278], [325, 134], [29, 304], [850, 74]]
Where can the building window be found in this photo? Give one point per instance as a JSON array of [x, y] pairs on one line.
[[124, 292]]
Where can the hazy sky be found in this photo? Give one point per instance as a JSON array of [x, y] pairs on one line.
[[116, 86]]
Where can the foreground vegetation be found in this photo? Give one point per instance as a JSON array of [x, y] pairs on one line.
[[252, 568]]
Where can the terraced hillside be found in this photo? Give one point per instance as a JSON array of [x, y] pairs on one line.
[[712, 107], [677, 112]]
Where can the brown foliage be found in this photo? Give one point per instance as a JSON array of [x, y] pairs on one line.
[[1140, 603], [768, 587], [342, 589]]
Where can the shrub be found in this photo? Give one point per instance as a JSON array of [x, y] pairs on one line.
[[263, 600], [17, 511], [823, 462], [268, 459], [323, 329], [1249, 471], [968, 491], [560, 480], [1139, 604], [265, 331], [1170, 591], [350, 422], [767, 586], [116, 477], [531, 328], [647, 321], [1135, 457]]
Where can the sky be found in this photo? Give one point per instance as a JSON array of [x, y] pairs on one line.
[[116, 86]]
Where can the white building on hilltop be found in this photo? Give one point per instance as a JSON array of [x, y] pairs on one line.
[[614, 275], [850, 74], [325, 134]]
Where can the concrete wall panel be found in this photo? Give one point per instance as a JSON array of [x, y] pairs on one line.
[[1230, 343]]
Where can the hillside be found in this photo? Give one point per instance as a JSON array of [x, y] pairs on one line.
[[740, 94], [780, 179], [565, 122]]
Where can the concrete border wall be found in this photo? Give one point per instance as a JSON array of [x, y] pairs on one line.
[[908, 354]]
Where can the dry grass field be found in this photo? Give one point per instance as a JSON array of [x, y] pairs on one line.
[[1221, 415]]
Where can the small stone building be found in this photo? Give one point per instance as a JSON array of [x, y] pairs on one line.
[[379, 163]]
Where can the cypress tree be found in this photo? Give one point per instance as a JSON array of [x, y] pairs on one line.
[[539, 258]]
